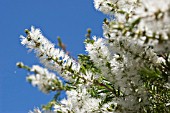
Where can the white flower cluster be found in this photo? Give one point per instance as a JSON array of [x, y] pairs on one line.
[[44, 80], [37, 110], [131, 52], [99, 53], [122, 68], [78, 101], [153, 16], [52, 58], [114, 6], [122, 73]]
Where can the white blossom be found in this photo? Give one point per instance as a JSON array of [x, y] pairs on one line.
[[43, 79], [37, 110], [115, 6], [78, 101], [51, 57]]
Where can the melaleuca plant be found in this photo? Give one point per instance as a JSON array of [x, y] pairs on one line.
[[126, 71]]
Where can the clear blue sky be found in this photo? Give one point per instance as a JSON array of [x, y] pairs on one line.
[[68, 19]]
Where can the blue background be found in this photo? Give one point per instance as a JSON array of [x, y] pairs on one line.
[[68, 19]]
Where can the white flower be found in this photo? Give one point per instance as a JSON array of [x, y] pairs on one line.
[[78, 101], [43, 79], [115, 6], [53, 58], [155, 16], [102, 5], [36, 110]]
